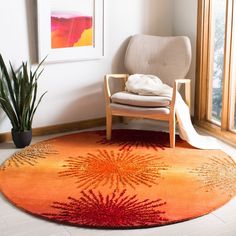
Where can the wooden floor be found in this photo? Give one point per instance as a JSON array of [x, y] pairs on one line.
[[14, 222]]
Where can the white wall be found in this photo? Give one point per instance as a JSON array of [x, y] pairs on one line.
[[185, 23], [75, 89]]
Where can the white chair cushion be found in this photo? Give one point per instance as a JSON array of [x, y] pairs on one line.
[[139, 111], [140, 101]]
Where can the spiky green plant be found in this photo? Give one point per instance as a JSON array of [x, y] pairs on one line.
[[18, 93]]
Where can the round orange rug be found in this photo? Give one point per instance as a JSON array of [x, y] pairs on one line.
[[135, 180]]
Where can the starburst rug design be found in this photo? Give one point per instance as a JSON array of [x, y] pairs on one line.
[[133, 181], [114, 169]]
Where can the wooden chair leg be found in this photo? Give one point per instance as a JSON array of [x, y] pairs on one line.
[[172, 132], [108, 125]]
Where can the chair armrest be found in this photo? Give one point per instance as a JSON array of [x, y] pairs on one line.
[[187, 83], [107, 78]]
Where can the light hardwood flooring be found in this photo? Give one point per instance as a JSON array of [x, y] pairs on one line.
[[14, 222]]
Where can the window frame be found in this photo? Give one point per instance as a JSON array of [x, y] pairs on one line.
[[203, 73]]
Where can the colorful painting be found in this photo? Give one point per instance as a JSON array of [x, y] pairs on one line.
[[70, 30], [71, 23]]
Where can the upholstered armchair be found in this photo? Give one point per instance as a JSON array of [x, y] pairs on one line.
[[168, 58]]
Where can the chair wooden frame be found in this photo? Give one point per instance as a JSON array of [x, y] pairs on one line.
[[171, 117]]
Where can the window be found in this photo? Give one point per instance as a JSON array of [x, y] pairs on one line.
[[217, 40], [215, 105]]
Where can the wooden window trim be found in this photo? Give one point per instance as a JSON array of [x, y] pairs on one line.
[[232, 71], [227, 66], [204, 70]]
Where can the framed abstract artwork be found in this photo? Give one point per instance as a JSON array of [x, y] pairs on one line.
[[70, 30]]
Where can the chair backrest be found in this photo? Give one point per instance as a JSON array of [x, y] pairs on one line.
[[169, 58]]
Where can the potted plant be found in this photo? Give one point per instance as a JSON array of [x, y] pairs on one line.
[[18, 93]]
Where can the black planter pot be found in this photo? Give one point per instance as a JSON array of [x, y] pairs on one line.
[[21, 139]]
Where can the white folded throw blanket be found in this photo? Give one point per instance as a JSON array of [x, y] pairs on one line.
[[152, 85]]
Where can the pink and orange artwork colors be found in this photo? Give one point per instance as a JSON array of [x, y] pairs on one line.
[[71, 28]]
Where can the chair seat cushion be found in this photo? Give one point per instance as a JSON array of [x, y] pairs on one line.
[[139, 100], [139, 111]]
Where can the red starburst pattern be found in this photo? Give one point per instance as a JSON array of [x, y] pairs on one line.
[[29, 155], [114, 169], [129, 139], [117, 210], [219, 174]]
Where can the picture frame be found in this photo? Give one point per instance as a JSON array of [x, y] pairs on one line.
[[70, 30]]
